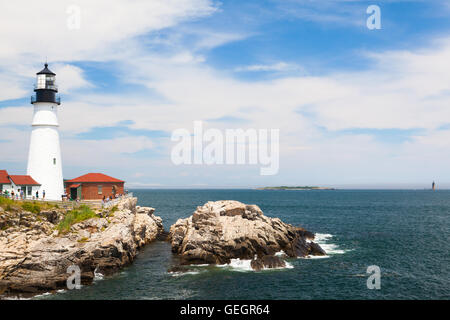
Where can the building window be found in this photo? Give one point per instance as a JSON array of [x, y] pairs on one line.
[[29, 190], [54, 161], [100, 189]]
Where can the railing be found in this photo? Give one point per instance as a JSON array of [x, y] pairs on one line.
[[47, 86], [57, 99], [25, 198], [112, 203], [64, 204]]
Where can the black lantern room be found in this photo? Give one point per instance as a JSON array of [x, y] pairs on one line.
[[45, 87]]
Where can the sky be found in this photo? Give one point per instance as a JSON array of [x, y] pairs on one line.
[[354, 107]]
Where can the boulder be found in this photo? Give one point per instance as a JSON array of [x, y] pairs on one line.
[[223, 230], [267, 262], [34, 257], [51, 216], [145, 210]]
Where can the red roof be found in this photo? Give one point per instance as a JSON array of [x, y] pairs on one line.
[[24, 181], [4, 177], [95, 177]]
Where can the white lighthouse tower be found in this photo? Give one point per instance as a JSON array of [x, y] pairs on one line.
[[44, 158]]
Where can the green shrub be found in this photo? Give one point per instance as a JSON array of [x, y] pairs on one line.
[[74, 216], [32, 207], [4, 202]]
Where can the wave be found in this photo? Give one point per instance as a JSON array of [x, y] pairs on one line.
[[179, 273], [323, 239], [280, 254], [98, 275], [243, 265]]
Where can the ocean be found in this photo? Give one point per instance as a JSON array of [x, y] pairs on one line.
[[406, 233]]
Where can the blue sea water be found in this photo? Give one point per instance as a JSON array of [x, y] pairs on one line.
[[404, 232]]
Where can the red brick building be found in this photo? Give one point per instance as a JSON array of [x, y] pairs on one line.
[[93, 186]]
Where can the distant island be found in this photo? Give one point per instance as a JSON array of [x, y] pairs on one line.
[[296, 188]]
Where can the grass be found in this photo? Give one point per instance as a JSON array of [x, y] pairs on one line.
[[31, 206], [74, 216], [4, 202]]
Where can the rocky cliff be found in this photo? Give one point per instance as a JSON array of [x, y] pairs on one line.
[[223, 230], [35, 256]]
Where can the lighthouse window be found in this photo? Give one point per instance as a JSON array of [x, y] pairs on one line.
[[41, 81], [50, 81], [54, 161]]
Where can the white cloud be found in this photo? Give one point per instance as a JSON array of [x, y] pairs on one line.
[[71, 77], [40, 28], [33, 31], [279, 66]]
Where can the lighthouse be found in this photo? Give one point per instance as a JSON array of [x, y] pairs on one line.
[[44, 157]]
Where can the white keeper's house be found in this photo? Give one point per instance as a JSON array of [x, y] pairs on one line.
[[18, 183]]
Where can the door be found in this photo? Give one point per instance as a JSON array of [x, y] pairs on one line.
[[73, 193]]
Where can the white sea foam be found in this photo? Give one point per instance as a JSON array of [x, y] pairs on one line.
[[315, 257], [331, 248], [41, 295], [240, 265], [280, 253], [15, 298], [245, 265], [323, 239], [98, 275], [178, 274]]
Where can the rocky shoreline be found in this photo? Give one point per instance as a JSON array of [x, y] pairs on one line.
[[34, 256], [220, 231]]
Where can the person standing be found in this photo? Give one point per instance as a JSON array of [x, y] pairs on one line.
[[43, 195], [37, 194]]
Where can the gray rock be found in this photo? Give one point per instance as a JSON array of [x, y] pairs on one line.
[[223, 230]]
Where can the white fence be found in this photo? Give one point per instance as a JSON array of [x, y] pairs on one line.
[[112, 203]]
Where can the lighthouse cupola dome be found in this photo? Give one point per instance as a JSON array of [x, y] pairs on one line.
[[45, 87]]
